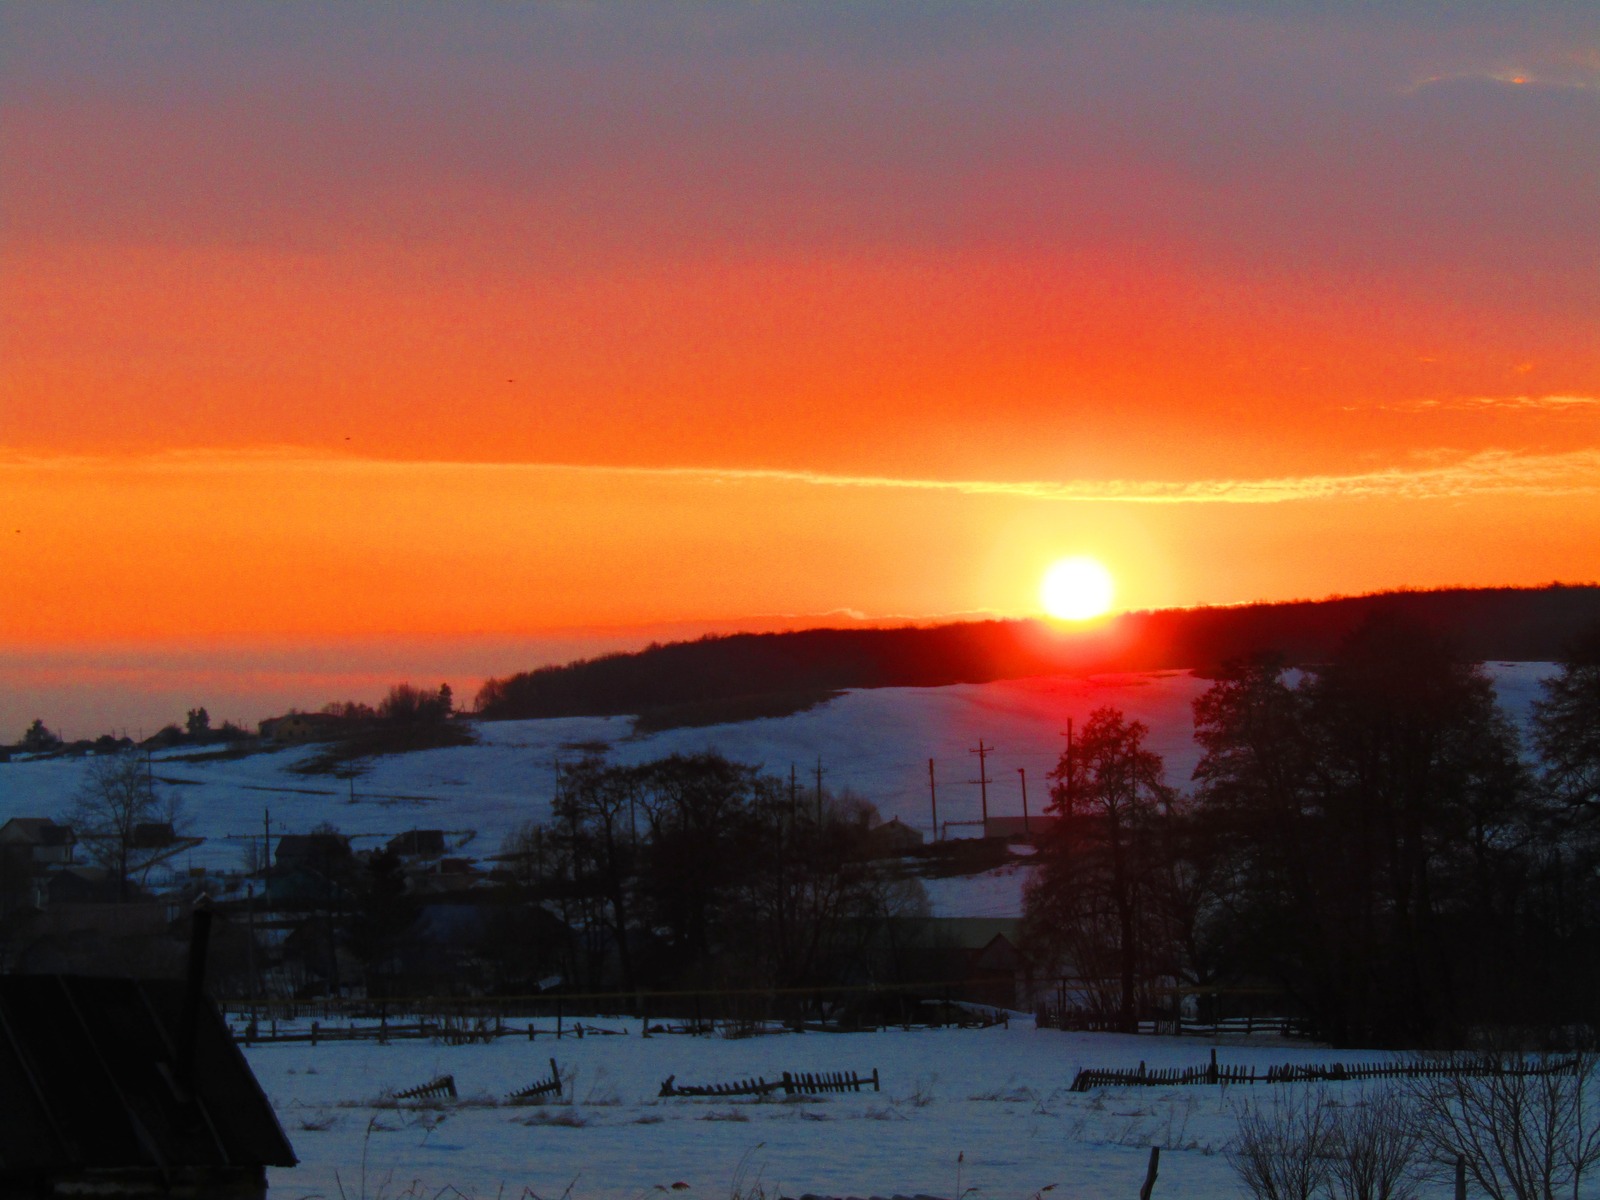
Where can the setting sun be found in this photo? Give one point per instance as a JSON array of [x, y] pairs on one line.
[[1075, 589]]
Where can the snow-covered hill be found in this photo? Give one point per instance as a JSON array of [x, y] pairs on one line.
[[876, 742]]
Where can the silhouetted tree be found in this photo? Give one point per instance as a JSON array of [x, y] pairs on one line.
[[407, 705], [116, 797], [696, 871], [1094, 898], [697, 810], [1566, 725], [1376, 821], [381, 913], [38, 738], [593, 833], [198, 723]]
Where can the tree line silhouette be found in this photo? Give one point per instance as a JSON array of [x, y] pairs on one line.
[[1364, 837], [724, 678]]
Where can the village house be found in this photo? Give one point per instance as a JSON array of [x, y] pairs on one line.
[[304, 727], [417, 844], [47, 843]]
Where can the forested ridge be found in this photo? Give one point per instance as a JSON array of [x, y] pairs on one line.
[[718, 678]]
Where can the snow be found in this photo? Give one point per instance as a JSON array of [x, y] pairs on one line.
[[983, 1113], [995, 893], [995, 1097], [876, 742]]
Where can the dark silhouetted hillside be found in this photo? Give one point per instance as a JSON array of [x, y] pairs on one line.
[[749, 675]]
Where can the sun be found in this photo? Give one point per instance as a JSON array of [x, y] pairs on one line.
[[1075, 589]]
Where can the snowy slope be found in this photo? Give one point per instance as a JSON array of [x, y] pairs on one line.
[[875, 741]]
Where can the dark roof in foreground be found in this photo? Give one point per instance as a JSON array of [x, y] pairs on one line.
[[87, 1080]]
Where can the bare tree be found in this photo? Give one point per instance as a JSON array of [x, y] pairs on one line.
[[1375, 1146], [117, 798], [1282, 1150], [1527, 1127]]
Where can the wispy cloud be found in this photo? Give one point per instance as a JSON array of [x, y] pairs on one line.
[[1490, 472], [1576, 69], [1571, 405], [1440, 475]]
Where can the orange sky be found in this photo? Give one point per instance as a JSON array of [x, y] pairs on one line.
[[328, 323]]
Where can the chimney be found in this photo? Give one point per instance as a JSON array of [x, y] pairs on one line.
[[194, 992]]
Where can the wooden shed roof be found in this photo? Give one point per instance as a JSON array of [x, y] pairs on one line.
[[89, 1079]]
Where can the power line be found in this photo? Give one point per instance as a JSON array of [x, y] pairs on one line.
[[982, 781]]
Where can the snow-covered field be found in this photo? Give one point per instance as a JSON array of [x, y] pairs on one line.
[[877, 742], [977, 1112]]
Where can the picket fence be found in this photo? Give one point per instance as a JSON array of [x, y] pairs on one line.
[[803, 1083], [1414, 1068]]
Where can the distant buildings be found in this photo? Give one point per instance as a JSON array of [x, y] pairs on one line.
[[295, 728], [45, 843]]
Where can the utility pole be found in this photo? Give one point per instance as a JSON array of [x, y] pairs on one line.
[[1067, 781], [933, 800], [983, 753], [250, 946], [1022, 773]]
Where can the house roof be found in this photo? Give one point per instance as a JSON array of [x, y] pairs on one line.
[[38, 831], [418, 842], [967, 933], [312, 846], [84, 1070], [152, 835]]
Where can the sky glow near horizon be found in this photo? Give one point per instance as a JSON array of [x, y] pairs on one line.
[[332, 323]]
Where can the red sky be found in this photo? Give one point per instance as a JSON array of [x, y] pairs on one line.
[[339, 322]]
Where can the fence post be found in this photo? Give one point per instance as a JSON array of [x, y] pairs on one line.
[[313, 1033], [1461, 1178], [1211, 1073], [1150, 1174]]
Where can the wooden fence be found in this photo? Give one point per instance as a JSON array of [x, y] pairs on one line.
[[1414, 1068], [804, 1083], [450, 1032], [1080, 1021], [460, 1028], [855, 1006], [434, 1089], [539, 1088]]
